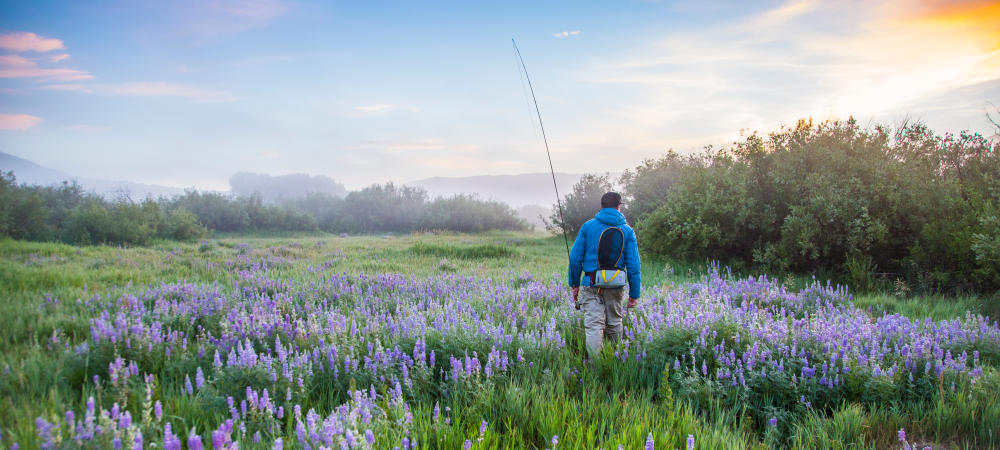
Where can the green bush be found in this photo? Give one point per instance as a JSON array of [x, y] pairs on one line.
[[181, 225], [88, 223], [832, 198], [580, 205], [67, 213]]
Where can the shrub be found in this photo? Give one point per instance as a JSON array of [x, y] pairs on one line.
[[832, 198], [181, 225], [580, 205]]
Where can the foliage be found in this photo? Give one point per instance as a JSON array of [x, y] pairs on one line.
[[66, 213], [580, 205], [181, 225], [647, 187], [834, 198], [468, 214]]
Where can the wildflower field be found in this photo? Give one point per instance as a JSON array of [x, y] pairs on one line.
[[466, 341]]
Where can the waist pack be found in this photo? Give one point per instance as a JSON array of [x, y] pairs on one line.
[[610, 248]]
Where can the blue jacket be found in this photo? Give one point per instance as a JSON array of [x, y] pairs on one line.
[[583, 257]]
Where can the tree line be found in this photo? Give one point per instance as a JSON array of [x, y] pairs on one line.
[[863, 205], [67, 213]]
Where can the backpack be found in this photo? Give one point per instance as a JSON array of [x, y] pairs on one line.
[[610, 249]]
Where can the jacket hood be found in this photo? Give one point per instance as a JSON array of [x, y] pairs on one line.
[[610, 217]]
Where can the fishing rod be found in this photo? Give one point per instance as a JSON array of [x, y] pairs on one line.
[[555, 186]]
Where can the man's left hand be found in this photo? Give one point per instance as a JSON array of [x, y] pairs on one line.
[[632, 302]]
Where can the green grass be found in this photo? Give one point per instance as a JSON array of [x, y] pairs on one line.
[[43, 288]]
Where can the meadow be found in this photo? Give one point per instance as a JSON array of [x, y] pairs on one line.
[[467, 341]]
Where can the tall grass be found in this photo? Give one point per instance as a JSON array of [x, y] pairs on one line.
[[50, 292]]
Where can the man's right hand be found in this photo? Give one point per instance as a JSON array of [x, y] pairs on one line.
[[576, 292], [632, 302]]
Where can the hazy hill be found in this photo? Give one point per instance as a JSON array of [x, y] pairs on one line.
[[275, 189], [515, 190], [30, 173]]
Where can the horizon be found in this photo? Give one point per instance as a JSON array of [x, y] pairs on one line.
[[188, 93]]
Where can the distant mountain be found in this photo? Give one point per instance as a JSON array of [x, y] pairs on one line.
[[515, 190], [27, 172]]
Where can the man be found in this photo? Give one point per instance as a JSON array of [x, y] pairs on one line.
[[602, 306]]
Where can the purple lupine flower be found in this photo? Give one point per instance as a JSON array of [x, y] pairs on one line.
[[468, 444], [187, 385], [773, 422], [370, 437], [218, 439], [158, 410], [482, 428], [690, 442], [199, 378], [194, 442], [650, 445], [901, 434], [555, 440], [278, 444]]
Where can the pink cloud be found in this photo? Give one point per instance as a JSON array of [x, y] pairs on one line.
[[158, 89], [66, 87], [59, 57], [18, 121], [22, 41], [17, 66]]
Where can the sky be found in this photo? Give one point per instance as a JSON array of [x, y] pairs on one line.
[[186, 93]]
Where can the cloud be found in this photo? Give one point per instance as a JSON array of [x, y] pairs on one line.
[[66, 87], [429, 145], [211, 19], [159, 89], [59, 57], [22, 41], [18, 121], [382, 107], [90, 128], [425, 146], [468, 163], [252, 9], [565, 34], [800, 59], [784, 13], [17, 66], [374, 108]]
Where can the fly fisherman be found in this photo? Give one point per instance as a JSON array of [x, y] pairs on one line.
[[606, 253]]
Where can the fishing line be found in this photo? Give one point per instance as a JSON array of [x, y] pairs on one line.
[[527, 99], [562, 219]]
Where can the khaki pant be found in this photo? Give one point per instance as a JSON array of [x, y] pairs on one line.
[[602, 316]]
